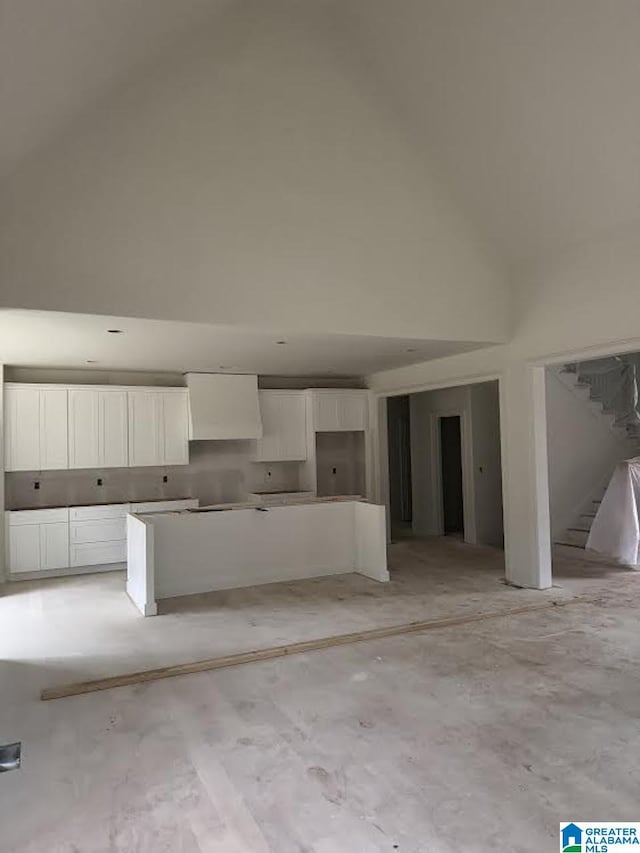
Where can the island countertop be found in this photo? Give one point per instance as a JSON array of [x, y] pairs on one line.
[[183, 553]]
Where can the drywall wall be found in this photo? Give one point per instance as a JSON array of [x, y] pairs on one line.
[[480, 424], [487, 466], [340, 463], [581, 304], [254, 177], [77, 376], [583, 452], [218, 471], [399, 432], [423, 408]]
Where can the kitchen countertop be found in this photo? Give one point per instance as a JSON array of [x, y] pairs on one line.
[[266, 507], [93, 503]]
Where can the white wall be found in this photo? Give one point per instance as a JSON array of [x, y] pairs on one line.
[[583, 452], [581, 304], [251, 177], [478, 406], [487, 465], [425, 498]]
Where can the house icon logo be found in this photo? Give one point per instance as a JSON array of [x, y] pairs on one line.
[[571, 838]]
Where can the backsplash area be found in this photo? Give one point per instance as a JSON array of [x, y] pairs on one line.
[[218, 472]]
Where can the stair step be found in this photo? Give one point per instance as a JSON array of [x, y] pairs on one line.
[[571, 545], [576, 536]]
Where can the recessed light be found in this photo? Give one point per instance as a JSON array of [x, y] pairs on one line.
[[115, 331], [281, 342]]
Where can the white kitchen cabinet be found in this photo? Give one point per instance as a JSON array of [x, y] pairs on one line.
[[339, 410], [113, 439], [144, 431], [37, 540], [84, 416], [43, 540], [54, 546], [158, 428], [35, 428], [174, 427], [98, 428], [24, 549], [284, 426]]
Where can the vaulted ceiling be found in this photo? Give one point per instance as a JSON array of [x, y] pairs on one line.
[[529, 108]]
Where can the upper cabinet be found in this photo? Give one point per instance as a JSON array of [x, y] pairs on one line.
[[284, 426], [35, 422], [98, 428], [158, 427], [54, 427], [339, 409]]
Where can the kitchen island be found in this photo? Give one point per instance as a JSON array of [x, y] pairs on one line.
[[184, 553]]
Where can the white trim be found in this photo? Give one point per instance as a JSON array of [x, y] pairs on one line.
[[474, 379]]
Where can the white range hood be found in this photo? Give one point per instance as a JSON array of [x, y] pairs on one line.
[[223, 407]]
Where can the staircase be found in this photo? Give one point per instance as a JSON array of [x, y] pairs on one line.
[[610, 388]]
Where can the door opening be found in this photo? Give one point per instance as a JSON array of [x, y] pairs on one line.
[[451, 471], [400, 490]]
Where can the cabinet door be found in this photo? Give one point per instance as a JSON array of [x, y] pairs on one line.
[[340, 411], [144, 428], [22, 429], [24, 548], [113, 438], [283, 426], [54, 545], [174, 427], [352, 410], [54, 446], [84, 432], [325, 412], [269, 447]]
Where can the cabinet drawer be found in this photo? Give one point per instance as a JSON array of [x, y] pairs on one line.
[[98, 530], [98, 553], [87, 513], [37, 516]]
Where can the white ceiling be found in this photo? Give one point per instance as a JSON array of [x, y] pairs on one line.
[[51, 339], [59, 56], [530, 108]]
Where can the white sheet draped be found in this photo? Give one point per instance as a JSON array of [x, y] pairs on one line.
[[615, 531]]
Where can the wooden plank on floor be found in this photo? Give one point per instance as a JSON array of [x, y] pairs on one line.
[[77, 688]]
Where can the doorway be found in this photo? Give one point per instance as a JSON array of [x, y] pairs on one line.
[[400, 486], [451, 475]]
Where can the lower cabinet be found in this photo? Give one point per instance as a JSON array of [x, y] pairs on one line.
[[98, 535], [38, 540], [43, 540]]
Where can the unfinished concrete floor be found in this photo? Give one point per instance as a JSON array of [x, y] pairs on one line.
[[455, 739]]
